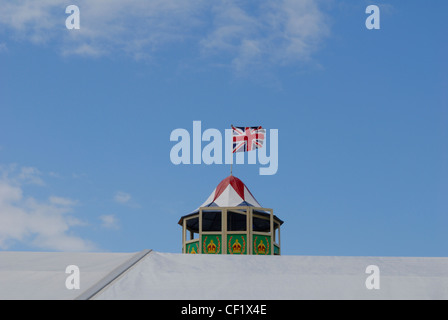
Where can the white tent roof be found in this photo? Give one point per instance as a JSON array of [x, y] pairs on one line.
[[41, 275], [155, 275]]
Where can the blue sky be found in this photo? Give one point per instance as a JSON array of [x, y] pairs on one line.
[[86, 117]]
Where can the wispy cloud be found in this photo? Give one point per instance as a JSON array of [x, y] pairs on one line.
[[275, 32], [21, 175], [133, 27], [44, 224], [236, 33], [122, 197], [79, 175], [30, 175], [109, 221], [66, 202]]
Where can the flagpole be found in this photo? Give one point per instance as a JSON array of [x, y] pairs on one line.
[[231, 163]]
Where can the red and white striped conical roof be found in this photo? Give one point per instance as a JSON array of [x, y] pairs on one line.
[[231, 192]]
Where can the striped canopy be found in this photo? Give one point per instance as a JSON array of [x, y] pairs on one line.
[[231, 192]]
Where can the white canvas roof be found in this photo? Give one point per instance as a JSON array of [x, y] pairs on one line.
[[41, 275], [156, 275]]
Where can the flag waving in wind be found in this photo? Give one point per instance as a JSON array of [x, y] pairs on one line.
[[247, 138]]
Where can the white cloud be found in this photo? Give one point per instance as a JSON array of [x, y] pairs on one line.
[[236, 32], [22, 175], [33, 20], [107, 26], [122, 197], [45, 224], [79, 175], [84, 49], [277, 32], [109, 221], [62, 201], [54, 175], [30, 175]]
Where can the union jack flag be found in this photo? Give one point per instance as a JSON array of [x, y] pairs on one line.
[[247, 138]]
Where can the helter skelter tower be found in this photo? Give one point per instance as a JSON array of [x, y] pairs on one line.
[[231, 221]]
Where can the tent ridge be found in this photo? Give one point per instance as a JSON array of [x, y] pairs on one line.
[[114, 274]]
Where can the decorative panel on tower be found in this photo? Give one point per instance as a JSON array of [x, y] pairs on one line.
[[211, 244], [231, 221], [261, 244], [236, 244], [192, 247]]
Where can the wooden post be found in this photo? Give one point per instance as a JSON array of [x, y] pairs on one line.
[[184, 235], [224, 230], [249, 228], [247, 231], [279, 244], [200, 231], [272, 231]]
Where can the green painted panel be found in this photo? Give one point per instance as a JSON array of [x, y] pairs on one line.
[[236, 244], [193, 247], [211, 244], [261, 244]]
